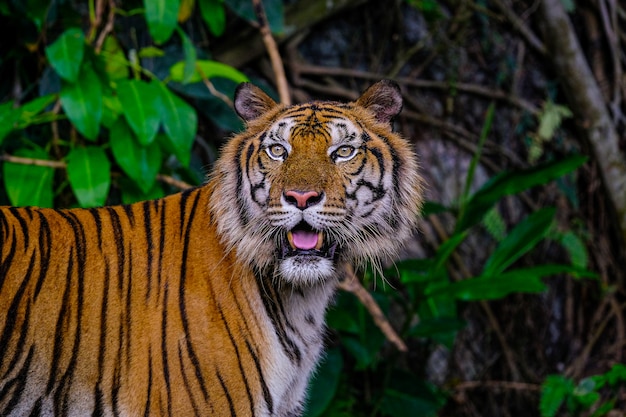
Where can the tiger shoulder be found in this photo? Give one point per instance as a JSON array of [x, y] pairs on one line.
[[210, 301]]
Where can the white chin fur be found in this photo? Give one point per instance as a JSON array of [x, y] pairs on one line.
[[306, 270]]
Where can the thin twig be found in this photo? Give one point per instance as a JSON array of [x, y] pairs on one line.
[[352, 284], [108, 28], [272, 50], [509, 385], [62, 165]]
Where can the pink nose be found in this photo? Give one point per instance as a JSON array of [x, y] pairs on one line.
[[302, 199]]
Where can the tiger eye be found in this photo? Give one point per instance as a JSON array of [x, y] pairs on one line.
[[276, 151], [345, 151]]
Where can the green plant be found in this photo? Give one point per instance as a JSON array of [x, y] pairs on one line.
[[129, 110], [428, 297], [558, 391]]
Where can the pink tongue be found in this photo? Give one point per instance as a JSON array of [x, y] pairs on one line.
[[304, 240]]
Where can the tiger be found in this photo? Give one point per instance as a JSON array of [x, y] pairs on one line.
[[211, 301]]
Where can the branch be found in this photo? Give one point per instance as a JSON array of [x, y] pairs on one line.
[[62, 165], [351, 283], [587, 103], [272, 50]]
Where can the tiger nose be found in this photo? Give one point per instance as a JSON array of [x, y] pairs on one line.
[[303, 199]]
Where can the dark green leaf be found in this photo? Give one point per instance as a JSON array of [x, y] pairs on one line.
[[180, 123], [520, 240], [509, 183], [273, 10], [66, 54], [161, 16], [447, 248], [140, 163], [140, 101], [190, 56], [430, 207], [8, 119], [400, 404], [553, 392], [324, 383], [205, 69], [132, 194], [214, 15], [82, 103], [29, 185], [436, 326], [89, 173]]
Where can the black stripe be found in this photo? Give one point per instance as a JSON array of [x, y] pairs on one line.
[[181, 292], [95, 213], [266, 391], [103, 338], [231, 406], [45, 247], [146, 412], [183, 368], [17, 384], [147, 224], [17, 213], [118, 236], [166, 370]]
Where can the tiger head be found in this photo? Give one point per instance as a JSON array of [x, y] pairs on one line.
[[308, 186]]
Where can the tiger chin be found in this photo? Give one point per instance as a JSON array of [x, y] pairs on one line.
[[210, 301]]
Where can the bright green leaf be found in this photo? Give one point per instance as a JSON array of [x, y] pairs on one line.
[[180, 123], [151, 52], [162, 18], [324, 384], [29, 185], [66, 54], [494, 223], [553, 392], [206, 69], [508, 183], [82, 103], [115, 63], [550, 119], [520, 240], [140, 101], [214, 15], [140, 163], [89, 173]]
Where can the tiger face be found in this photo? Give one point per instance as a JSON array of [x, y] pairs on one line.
[[316, 184]]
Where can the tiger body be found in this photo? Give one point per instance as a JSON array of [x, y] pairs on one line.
[[210, 301]]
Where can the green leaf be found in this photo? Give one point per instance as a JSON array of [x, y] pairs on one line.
[[576, 249], [273, 10], [399, 404], [180, 123], [508, 183], [553, 392], [489, 287], [206, 69], [82, 103], [151, 52], [616, 375], [66, 54], [115, 63], [140, 163], [89, 173], [190, 56], [9, 117], [494, 223], [436, 326], [447, 248], [550, 119], [324, 383], [214, 15], [161, 16], [140, 101], [29, 185], [520, 240], [132, 194]]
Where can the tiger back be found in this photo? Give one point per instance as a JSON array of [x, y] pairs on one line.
[[210, 301]]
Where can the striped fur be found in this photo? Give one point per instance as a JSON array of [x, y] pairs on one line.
[[205, 302]]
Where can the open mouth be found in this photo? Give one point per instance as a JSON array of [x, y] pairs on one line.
[[303, 240]]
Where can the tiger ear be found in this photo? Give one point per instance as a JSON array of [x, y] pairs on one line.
[[251, 102], [383, 99]]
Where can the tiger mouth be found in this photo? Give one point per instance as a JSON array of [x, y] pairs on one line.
[[303, 240]]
